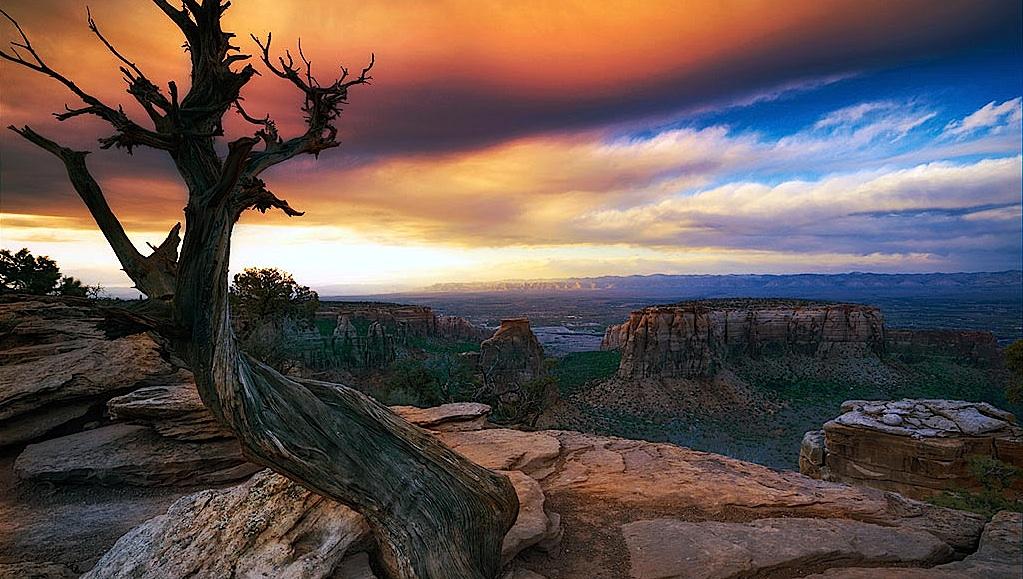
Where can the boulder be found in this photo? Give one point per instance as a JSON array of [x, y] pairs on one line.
[[265, 527], [811, 455], [915, 447], [670, 548], [269, 526], [123, 454]]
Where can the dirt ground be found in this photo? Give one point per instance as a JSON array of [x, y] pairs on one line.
[[71, 525]]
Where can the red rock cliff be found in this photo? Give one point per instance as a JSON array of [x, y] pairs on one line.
[[694, 338]]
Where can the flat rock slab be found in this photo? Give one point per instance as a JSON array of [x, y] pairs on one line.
[[670, 548], [446, 417], [533, 453], [123, 454], [1000, 556], [173, 408]]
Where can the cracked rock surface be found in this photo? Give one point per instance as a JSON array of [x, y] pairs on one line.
[[915, 447]]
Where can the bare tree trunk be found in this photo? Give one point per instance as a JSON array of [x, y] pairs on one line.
[[435, 513]]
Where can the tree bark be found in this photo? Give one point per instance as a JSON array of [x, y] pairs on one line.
[[435, 513]]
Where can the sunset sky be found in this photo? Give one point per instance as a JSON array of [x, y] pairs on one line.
[[529, 139]]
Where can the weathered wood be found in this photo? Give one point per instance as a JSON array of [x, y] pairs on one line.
[[435, 513]]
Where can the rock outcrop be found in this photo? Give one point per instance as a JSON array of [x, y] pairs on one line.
[[655, 502], [916, 447], [694, 339], [1000, 556], [272, 527], [62, 359], [461, 329], [592, 507], [512, 355], [123, 454]]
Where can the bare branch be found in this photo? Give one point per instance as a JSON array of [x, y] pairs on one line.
[[322, 106], [153, 275], [268, 133], [139, 86], [129, 134]]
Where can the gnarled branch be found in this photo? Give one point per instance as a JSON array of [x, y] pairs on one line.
[[139, 86], [252, 193], [129, 134], [153, 275], [322, 106]]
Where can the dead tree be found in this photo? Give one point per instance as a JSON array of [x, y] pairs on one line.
[[434, 513]]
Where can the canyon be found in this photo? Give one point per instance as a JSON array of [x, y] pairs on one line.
[[114, 463]]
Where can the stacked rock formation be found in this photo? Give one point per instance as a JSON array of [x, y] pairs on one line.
[[693, 339], [915, 447], [64, 361], [512, 355]]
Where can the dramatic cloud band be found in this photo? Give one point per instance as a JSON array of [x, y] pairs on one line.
[[568, 139]]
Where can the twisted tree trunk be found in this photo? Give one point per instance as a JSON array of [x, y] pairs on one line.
[[435, 513]]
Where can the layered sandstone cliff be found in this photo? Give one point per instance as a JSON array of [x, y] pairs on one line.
[[695, 338], [915, 447]]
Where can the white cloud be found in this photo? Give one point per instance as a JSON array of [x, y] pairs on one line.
[[866, 212], [853, 114], [993, 116]]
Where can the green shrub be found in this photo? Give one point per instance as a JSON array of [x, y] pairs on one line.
[[1014, 363], [996, 478]]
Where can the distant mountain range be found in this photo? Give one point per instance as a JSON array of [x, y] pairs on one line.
[[1002, 283]]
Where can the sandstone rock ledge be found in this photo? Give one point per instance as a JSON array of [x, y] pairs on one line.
[[271, 527], [627, 509], [915, 447]]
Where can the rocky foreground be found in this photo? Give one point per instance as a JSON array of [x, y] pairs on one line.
[[146, 462]]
